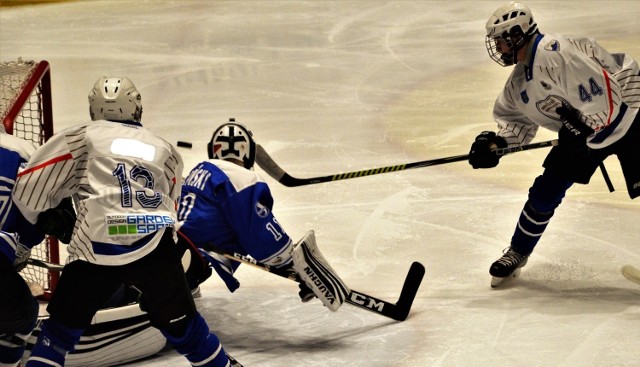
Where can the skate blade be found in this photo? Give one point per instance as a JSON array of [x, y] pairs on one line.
[[496, 282]]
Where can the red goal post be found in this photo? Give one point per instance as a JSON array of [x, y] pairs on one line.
[[26, 112]]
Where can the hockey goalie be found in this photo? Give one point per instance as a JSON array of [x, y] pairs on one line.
[[226, 205]]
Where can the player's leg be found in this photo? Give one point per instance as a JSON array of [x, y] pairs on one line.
[[167, 298], [18, 314], [628, 152], [563, 167], [83, 288]]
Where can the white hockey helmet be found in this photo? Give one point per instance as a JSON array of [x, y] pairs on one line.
[[233, 141], [115, 99], [511, 24]]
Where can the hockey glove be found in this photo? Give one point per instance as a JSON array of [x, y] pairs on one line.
[[59, 221], [481, 154], [573, 132]]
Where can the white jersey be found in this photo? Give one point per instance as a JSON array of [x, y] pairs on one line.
[[125, 182], [602, 86]]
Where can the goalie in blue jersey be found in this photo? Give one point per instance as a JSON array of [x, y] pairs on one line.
[[225, 205]]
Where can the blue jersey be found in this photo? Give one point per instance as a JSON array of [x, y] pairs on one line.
[[230, 207], [15, 229]]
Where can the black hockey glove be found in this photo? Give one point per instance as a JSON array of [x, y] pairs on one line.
[[481, 154], [573, 132], [59, 221]]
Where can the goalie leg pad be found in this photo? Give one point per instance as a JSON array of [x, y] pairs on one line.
[[318, 275]]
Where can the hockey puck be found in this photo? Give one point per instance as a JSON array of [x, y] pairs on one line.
[[184, 144]]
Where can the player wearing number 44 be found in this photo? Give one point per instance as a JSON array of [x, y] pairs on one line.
[[566, 84], [125, 182]]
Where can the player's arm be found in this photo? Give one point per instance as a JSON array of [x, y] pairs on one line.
[[48, 178], [266, 241], [250, 213], [514, 129]]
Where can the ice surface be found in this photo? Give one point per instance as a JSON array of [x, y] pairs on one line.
[[329, 87]]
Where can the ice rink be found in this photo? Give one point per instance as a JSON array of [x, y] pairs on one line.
[[335, 86]]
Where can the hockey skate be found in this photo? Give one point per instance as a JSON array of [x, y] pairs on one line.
[[233, 362], [507, 267]]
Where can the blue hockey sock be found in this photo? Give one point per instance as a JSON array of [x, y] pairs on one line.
[[201, 347], [54, 342], [531, 226]]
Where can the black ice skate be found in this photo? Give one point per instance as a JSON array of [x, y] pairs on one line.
[[507, 267]]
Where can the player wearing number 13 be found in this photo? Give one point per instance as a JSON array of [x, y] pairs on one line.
[[125, 182], [569, 85]]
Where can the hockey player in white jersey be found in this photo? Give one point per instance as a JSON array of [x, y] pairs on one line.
[[125, 182], [225, 204], [569, 85]]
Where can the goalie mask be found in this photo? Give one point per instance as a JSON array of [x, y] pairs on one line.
[[509, 29], [233, 141], [115, 99]]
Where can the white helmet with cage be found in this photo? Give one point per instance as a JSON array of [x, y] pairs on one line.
[[233, 141], [115, 99], [510, 26]]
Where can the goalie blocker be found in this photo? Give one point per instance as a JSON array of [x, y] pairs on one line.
[[317, 274]]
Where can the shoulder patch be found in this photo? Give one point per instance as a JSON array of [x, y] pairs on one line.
[[553, 45], [261, 210]]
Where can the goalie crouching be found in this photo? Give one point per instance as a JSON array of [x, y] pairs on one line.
[[226, 205]]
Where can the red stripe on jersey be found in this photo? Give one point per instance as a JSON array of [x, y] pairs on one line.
[[609, 96], [49, 162]]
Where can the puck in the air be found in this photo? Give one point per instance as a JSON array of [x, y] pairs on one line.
[[184, 144]]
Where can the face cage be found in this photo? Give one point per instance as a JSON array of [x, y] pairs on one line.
[[507, 59]]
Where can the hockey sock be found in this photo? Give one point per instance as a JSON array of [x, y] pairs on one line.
[[531, 226], [53, 344], [201, 347]]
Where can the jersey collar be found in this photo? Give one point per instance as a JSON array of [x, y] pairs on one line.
[[530, 57]]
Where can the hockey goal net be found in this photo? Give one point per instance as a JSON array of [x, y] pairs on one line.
[[25, 108]]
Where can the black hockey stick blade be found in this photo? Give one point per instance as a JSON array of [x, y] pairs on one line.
[[274, 170], [398, 311]]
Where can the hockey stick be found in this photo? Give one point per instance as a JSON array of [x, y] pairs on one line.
[[45, 264], [398, 311], [273, 169], [632, 273]]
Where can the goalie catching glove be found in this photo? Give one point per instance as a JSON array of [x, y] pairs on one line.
[[314, 270]]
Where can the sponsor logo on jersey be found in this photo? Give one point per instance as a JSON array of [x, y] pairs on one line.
[[136, 224]]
